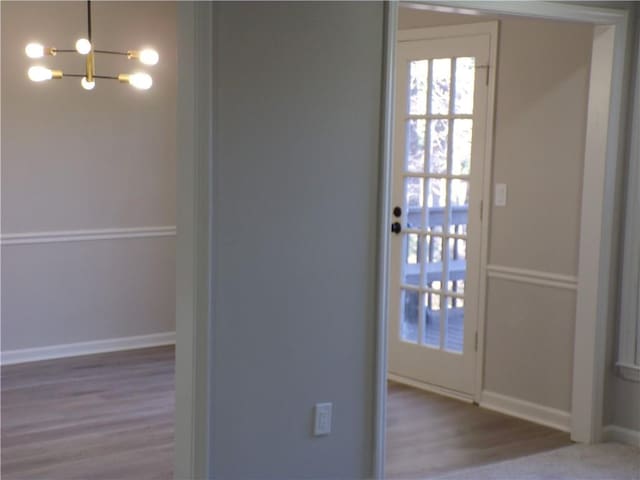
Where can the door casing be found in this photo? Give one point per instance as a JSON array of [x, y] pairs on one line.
[[604, 151], [453, 31], [194, 268]]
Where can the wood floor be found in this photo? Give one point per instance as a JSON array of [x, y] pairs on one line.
[[111, 416], [94, 417], [428, 434]]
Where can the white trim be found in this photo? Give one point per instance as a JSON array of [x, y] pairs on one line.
[[628, 371], [603, 158], [196, 50], [533, 412], [451, 31], [614, 433], [489, 33], [552, 10], [12, 357], [30, 238], [384, 219], [534, 277], [186, 440], [427, 387], [629, 321], [486, 212], [589, 356]]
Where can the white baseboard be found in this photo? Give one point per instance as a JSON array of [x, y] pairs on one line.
[[24, 355], [549, 417], [628, 371], [427, 387], [614, 433]]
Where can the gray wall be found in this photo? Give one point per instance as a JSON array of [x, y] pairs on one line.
[[61, 293], [540, 122], [298, 112], [78, 160]]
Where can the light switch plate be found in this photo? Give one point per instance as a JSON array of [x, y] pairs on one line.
[[322, 422], [500, 195]]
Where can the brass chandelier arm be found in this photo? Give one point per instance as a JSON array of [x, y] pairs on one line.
[[91, 66], [112, 52], [81, 75], [128, 53]]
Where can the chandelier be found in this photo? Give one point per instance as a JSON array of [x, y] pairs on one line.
[[85, 47]]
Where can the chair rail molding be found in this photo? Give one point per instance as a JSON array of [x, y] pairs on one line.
[[534, 277], [57, 236]]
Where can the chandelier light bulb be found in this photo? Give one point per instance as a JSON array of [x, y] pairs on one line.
[[141, 81], [87, 85], [83, 46], [148, 56], [40, 74], [34, 50]]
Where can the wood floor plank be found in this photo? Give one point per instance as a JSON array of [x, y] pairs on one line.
[[111, 416], [106, 416], [428, 434]]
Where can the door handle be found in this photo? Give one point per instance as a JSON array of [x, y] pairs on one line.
[[396, 227]]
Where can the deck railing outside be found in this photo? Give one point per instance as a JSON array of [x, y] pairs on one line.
[[434, 278]]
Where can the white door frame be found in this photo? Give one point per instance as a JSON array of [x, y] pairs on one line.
[[490, 28], [604, 150], [193, 262]]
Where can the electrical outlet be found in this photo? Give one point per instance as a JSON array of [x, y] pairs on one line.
[[322, 423]]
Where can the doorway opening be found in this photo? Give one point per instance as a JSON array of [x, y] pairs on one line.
[[88, 243], [444, 83], [480, 305]]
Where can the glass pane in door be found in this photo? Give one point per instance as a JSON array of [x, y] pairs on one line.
[[410, 302], [416, 130], [418, 78], [464, 85], [440, 86], [437, 166], [460, 193], [456, 259], [433, 262], [438, 146], [414, 200], [432, 320], [454, 324], [411, 264], [461, 155]]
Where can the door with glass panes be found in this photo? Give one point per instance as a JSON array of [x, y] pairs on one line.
[[440, 116]]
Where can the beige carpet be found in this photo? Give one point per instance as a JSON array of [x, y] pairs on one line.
[[605, 461]]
